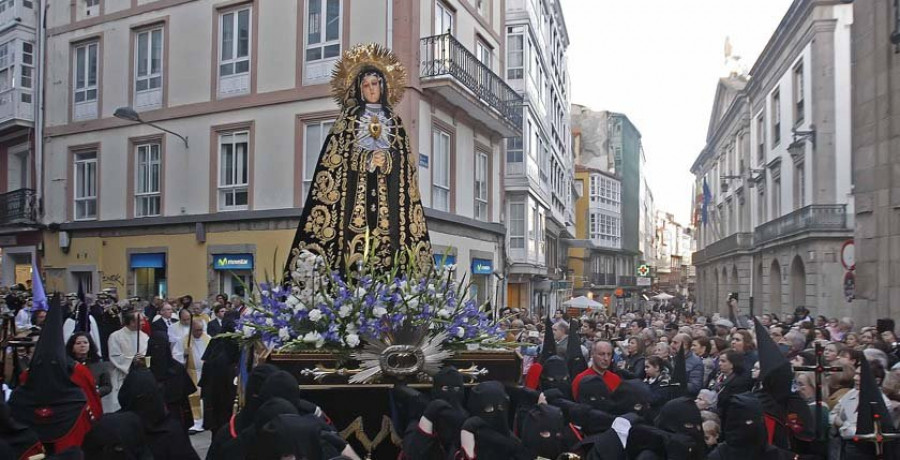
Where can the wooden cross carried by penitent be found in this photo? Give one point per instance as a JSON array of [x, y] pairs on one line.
[[819, 369], [877, 437]]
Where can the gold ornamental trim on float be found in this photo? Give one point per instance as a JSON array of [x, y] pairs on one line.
[[357, 58]]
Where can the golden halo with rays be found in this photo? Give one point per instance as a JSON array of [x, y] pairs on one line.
[[355, 60]]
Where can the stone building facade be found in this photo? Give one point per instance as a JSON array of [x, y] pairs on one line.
[[876, 159]]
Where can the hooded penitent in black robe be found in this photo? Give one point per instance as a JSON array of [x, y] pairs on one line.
[[745, 433], [488, 406], [871, 409], [118, 436], [789, 420], [21, 440], [350, 197], [446, 411], [172, 378], [544, 432], [299, 436], [163, 432], [227, 439], [677, 434], [217, 389], [574, 357], [250, 443], [49, 401]]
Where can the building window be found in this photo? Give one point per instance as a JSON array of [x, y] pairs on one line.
[[85, 185], [148, 68], [483, 53], [443, 19], [314, 138], [776, 197], [481, 186], [85, 280], [234, 54], [515, 50], [514, 150], [323, 26], [776, 117], [86, 73], [147, 193], [483, 7], [234, 172], [761, 207], [799, 185], [91, 7], [26, 77], [440, 198], [760, 140], [516, 225], [799, 108]]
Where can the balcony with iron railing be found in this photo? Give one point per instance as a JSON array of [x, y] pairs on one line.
[[812, 218], [603, 279], [454, 72], [626, 281], [728, 245], [18, 207]]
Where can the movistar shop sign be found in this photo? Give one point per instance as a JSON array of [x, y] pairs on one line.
[[233, 262]]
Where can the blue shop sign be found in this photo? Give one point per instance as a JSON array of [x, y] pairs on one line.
[[482, 267], [148, 260], [233, 262], [449, 259]]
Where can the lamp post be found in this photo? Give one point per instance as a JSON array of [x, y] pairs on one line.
[[798, 146], [128, 113]]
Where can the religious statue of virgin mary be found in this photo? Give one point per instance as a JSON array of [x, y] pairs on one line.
[[365, 190]]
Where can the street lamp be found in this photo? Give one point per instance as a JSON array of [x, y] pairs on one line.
[[798, 146], [128, 113]]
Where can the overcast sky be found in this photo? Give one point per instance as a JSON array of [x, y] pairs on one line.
[[658, 61]]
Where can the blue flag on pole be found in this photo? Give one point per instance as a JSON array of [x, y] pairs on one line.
[[707, 197], [38, 295]]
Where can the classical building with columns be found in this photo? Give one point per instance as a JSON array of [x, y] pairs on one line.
[[774, 197]]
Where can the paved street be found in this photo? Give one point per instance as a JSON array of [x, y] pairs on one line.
[[201, 442]]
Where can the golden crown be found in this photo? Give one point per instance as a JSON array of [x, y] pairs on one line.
[[359, 57]]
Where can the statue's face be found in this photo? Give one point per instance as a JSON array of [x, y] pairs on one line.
[[371, 89]]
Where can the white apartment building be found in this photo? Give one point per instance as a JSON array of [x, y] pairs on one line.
[[538, 176], [245, 83], [20, 233], [777, 165]]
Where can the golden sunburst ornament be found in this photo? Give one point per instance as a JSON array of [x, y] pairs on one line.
[[354, 60]]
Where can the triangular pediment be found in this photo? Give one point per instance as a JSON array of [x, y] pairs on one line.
[[726, 91]]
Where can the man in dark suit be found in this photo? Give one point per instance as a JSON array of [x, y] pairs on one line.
[[215, 324], [163, 320]]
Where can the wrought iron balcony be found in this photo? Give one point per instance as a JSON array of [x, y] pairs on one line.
[[453, 71], [18, 207], [627, 281], [603, 279], [815, 217], [727, 245]]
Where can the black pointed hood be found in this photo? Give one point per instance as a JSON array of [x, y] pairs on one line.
[[489, 401], [555, 374], [449, 385], [49, 401], [593, 391], [548, 348], [82, 322], [574, 356], [775, 370], [871, 404], [678, 382]]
